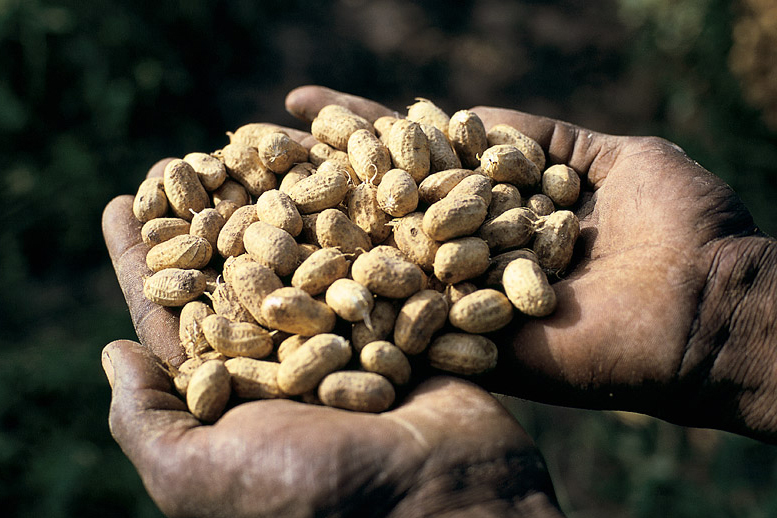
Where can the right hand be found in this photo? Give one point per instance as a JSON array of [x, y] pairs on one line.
[[669, 309]]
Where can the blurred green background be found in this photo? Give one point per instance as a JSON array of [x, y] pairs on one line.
[[94, 92]]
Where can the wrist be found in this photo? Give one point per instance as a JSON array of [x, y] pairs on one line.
[[728, 370]]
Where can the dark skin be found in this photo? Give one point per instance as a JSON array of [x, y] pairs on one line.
[[666, 312]]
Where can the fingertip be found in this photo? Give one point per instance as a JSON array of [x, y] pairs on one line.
[[302, 102]]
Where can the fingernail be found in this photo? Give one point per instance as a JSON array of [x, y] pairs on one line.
[[108, 368]]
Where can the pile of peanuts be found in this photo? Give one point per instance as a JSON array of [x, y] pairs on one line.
[[323, 274]]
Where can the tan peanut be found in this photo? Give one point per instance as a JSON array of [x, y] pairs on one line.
[[468, 136], [397, 194], [160, 230], [357, 391], [226, 208], [230, 240], [454, 217], [386, 359], [252, 282], [232, 191], [227, 304], [441, 153], [455, 292], [272, 247], [540, 204], [413, 241], [279, 152], [231, 263], [368, 156], [555, 239], [174, 286], [365, 211], [183, 374], [289, 345], [426, 112], [493, 276], [276, 208], [387, 276], [295, 174], [475, 184], [251, 134], [527, 287], [464, 354], [409, 149], [210, 170], [437, 185], [350, 300], [184, 251], [306, 250], [183, 189], [244, 165], [321, 269], [511, 229], [236, 338], [335, 230], [382, 318], [383, 125], [303, 369], [207, 224], [190, 327], [208, 391], [561, 184], [419, 318], [150, 201], [334, 126], [505, 134], [319, 191], [506, 163], [482, 311], [254, 379], [504, 196], [461, 259], [295, 311]]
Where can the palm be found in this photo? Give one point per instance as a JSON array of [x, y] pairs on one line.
[[282, 458]]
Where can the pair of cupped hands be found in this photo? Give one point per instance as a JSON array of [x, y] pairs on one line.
[[669, 311]]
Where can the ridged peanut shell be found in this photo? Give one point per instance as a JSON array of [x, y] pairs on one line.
[[482, 311], [461, 259], [368, 156], [409, 149], [174, 286], [236, 338], [386, 359], [357, 391], [454, 216], [504, 134], [419, 318], [397, 194], [303, 369], [468, 136], [254, 379], [527, 287], [295, 311], [387, 276], [506, 163], [184, 251], [279, 210], [464, 354], [272, 247], [210, 170], [160, 230], [183, 189], [208, 391], [364, 210], [150, 201]]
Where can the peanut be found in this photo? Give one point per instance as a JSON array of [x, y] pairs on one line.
[[468, 136], [419, 318], [387, 276], [555, 239], [463, 353], [482, 311], [210, 170], [382, 317], [150, 201], [358, 391], [278, 152], [368, 156], [207, 224], [461, 259], [272, 247], [409, 149], [295, 311], [159, 230], [386, 359], [365, 211], [230, 240], [244, 165], [454, 217], [506, 163], [208, 391], [527, 287], [190, 327], [334, 229], [540, 204], [276, 208], [511, 229], [350, 300], [254, 379], [320, 270], [505, 134], [303, 369], [174, 286], [183, 189], [236, 338], [561, 184], [397, 194], [504, 196]]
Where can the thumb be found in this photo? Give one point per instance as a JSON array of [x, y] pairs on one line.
[[145, 416]]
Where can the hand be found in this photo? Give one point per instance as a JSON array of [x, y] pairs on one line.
[[669, 309], [448, 449]]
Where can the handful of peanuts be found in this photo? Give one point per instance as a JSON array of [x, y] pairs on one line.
[[324, 274]]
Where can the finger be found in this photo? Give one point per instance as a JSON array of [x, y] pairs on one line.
[[156, 326], [588, 152], [306, 101]]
